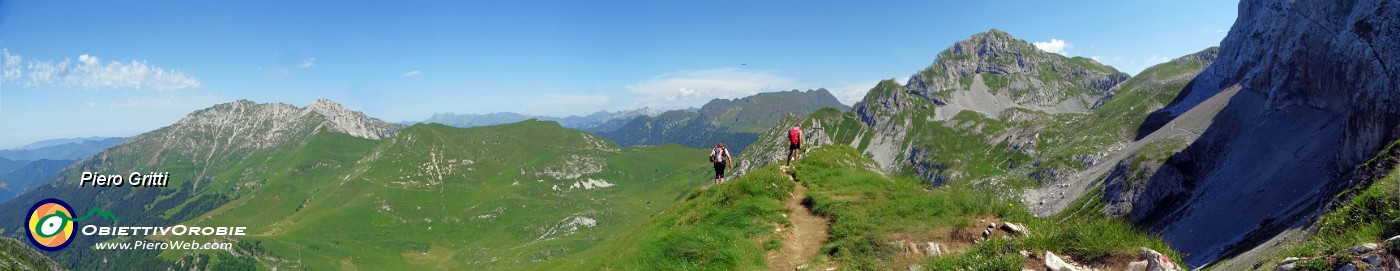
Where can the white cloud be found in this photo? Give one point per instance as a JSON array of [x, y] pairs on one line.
[[90, 73], [306, 63], [11, 68], [1057, 46], [412, 73], [696, 87]]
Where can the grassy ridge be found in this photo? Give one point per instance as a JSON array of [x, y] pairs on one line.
[[18, 255], [869, 210], [724, 227]]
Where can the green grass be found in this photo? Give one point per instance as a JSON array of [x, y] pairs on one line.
[[724, 227], [969, 149], [867, 208], [996, 82], [966, 133], [1046, 75], [1084, 231], [19, 255], [1091, 65], [1370, 216], [438, 197]]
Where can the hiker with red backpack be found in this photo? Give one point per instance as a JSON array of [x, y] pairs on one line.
[[720, 157], [794, 143]]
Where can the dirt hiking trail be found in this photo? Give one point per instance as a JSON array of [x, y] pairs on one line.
[[803, 240]]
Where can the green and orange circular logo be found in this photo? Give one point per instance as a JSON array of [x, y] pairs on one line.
[[50, 224]]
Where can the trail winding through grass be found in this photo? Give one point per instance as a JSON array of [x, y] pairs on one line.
[[804, 238]]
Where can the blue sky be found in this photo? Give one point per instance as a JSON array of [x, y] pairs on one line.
[[120, 68]]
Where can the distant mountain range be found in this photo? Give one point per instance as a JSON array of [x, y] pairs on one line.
[[734, 122], [24, 167], [601, 121], [16, 181], [59, 149]]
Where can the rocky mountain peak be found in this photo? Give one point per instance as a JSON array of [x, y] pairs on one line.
[[991, 44], [341, 119], [245, 122], [327, 107], [993, 71], [648, 111]]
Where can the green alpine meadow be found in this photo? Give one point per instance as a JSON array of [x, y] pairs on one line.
[[514, 195], [592, 136]]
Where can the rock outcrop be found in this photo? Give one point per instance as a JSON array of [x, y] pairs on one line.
[[1055, 263], [1153, 261], [1013, 72], [233, 131], [341, 119], [992, 74], [248, 124], [1318, 82], [1368, 256]]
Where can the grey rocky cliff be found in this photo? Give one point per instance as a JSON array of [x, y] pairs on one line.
[[341, 119], [1317, 84], [886, 128], [246, 123], [1141, 159]]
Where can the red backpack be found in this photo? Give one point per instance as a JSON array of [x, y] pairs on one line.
[[794, 136]]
